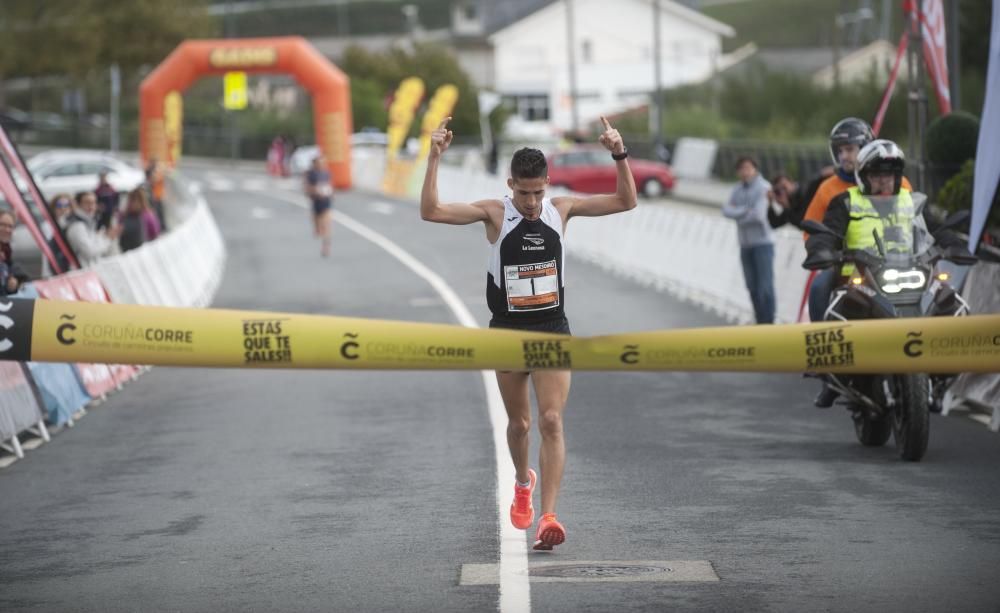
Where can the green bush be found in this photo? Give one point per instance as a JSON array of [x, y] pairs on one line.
[[951, 139], [956, 195]]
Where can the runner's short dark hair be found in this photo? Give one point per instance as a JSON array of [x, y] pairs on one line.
[[528, 163]]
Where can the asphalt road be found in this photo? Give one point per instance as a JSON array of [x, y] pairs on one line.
[[228, 490]]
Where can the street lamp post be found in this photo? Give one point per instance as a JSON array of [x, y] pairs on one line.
[[571, 50], [916, 100], [657, 106]]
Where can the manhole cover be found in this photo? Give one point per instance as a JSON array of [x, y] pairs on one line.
[[596, 571]]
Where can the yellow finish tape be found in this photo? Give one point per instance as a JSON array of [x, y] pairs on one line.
[[54, 331]]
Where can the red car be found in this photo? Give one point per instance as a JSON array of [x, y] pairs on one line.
[[592, 171]]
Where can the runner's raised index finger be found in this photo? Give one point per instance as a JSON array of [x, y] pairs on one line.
[[607, 124], [444, 123]]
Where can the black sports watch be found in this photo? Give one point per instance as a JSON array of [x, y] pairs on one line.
[[620, 156]]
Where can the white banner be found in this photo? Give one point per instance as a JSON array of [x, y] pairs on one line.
[[987, 173]]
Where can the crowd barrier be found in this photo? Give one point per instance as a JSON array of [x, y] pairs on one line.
[[181, 268]]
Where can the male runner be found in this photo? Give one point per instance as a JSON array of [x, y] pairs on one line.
[[525, 291]]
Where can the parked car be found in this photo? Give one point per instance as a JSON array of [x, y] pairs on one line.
[[73, 171], [591, 170]]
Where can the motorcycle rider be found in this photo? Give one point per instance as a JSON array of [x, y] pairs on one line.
[[853, 215], [847, 138]]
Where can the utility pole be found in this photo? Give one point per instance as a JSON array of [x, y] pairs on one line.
[[342, 25], [657, 114], [885, 31], [571, 50], [916, 99], [116, 94], [954, 55]]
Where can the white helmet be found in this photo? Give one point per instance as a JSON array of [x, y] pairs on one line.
[[879, 155]]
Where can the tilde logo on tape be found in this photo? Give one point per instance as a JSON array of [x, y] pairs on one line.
[[912, 347], [62, 332]]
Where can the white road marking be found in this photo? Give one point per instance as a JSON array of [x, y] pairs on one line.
[[983, 419], [515, 591], [260, 213], [221, 185], [673, 571], [425, 302], [383, 208]]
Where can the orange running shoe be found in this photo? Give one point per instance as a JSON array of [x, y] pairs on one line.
[[550, 533], [521, 511]]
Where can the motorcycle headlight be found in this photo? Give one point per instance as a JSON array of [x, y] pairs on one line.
[[895, 280]]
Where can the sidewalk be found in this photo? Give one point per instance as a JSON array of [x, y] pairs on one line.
[[706, 192]]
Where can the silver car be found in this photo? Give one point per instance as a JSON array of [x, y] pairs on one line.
[[70, 172]]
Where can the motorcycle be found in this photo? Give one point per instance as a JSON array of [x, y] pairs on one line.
[[892, 284]]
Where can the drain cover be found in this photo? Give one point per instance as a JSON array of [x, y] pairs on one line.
[[596, 571]]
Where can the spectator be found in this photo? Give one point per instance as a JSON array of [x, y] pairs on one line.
[[107, 201], [60, 206], [785, 205], [276, 156], [156, 184], [88, 243], [138, 222], [12, 276], [748, 205], [789, 201]]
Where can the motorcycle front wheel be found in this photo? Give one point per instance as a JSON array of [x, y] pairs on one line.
[[911, 417]]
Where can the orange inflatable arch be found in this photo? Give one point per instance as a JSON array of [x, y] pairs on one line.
[[194, 59]]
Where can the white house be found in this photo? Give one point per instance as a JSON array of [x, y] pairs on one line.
[[613, 47]]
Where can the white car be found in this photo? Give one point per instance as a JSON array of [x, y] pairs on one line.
[[69, 171], [361, 143]]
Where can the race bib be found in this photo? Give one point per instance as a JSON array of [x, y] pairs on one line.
[[532, 287]]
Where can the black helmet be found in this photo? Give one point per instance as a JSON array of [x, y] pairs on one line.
[[880, 155], [849, 131]]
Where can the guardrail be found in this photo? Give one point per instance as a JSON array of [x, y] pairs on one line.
[[181, 268]]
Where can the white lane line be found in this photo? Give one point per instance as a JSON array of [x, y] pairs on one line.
[[515, 591], [383, 208], [260, 213]]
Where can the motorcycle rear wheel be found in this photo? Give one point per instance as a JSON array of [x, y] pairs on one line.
[[911, 420]]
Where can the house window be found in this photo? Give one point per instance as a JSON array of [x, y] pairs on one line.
[[586, 52], [530, 107]]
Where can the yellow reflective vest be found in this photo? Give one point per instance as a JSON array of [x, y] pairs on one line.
[[896, 230]]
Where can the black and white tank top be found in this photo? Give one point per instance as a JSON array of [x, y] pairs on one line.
[[525, 278]]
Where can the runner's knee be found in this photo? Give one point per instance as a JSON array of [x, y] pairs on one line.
[[519, 426], [550, 423]]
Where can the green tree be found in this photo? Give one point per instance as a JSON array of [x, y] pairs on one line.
[[379, 74], [75, 38]]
